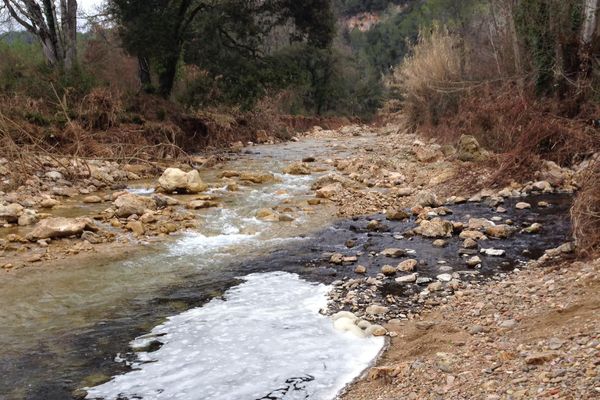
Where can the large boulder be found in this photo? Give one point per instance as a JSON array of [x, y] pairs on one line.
[[435, 228], [469, 149], [176, 180], [129, 204], [59, 227]]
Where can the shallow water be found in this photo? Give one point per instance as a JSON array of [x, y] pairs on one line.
[[61, 329]]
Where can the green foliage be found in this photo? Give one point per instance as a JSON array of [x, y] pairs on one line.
[[351, 7], [549, 30]]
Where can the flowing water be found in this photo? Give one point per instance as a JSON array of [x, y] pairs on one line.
[[62, 329], [229, 311]]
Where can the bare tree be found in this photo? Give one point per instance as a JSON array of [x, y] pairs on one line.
[[55, 27], [590, 23]]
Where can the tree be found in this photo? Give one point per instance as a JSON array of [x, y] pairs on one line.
[[210, 31], [55, 27]]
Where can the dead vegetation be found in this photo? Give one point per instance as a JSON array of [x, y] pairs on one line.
[[585, 213]]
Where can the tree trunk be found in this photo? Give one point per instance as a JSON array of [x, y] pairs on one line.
[[69, 31], [144, 73], [514, 38], [166, 78], [590, 13]]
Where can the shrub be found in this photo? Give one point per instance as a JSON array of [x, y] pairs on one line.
[[585, 212], [427, 80]]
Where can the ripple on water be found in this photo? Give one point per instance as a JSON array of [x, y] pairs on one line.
[[265, 340]]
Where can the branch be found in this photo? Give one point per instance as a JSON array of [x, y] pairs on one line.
[[10, 7]]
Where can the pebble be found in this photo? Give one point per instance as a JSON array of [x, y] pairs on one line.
[[522, 205], [408, 265], [444, 277], [473, 261]]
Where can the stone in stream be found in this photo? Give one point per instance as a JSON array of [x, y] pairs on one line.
[[376, 330], [136, 227], [435, 228], [59, 227], [473, 235], [393, 253], [500, 231], [388, 270], [533, 228], [397, 215], [444, 277], [427, 198], [11, 212], [522, 205], [92, 199], [360, 269], [469, 243], [329, 191], [439, 243], [265, 214], [479, 224], [493, 252], [258, 177], [198, 204], [297, 169], [408, 265], [407, 278], [473, 261], [49, 203], [29, 217], [176, 180], [129, 204]]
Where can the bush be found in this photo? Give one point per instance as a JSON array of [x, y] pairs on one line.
[[427, 80], [585, 212]]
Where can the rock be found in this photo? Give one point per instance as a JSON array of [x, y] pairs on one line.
[[469, 243], [388, 270], [376, 226], [407, 265], [176, 180], [330, 191], [444, 277], [543, 204], [258, 178], [427, 154], [439, 243], [199, 204], [49, 203], [426, 198], [404, 191], [435, 287], [54, 175], [136, 227], [344, 324], [508, 323], [92, 199], [468, 149], [265, 214], [91, 237], [59, 227], [540, 358], [500, 231], [435, 228], [407, 278], [376, 309], [479, 223], [360, 269], [543, 186], [297, 169], [533, 228], [344, 314], [522, 205], [493, 252], [397, 215], [376, 330], [393, 253], [473, 261], [29, 217], [11, 212], [473, 235], [129, 204], [555, 343]]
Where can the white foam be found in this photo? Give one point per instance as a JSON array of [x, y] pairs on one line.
[[199, 244], [141, 191], [266, 336]]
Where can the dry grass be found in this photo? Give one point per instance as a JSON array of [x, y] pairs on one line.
[[585, 212], [427, 80], [100, 109]]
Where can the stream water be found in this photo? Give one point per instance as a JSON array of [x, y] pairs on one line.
[[62, 329], [229, 311]]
